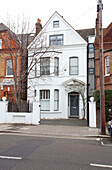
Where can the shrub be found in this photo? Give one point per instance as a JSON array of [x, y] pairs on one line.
[[108, 101]]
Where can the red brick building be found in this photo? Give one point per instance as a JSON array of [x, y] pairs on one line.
[[107, 55], [9, 61]]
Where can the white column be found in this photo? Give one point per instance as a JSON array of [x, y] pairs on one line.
[[92, 114]]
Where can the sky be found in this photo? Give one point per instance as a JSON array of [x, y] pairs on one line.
[[81, 14]]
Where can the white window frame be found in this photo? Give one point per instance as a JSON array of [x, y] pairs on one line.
[[45, 66], [107, 71], [57, 39], [91, 50], [0, 43], [56, 100], [56, 24], [56, 66], [45, 100], [7, 71], [71, 66]]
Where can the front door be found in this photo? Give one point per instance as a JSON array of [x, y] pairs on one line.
[[74, 105]]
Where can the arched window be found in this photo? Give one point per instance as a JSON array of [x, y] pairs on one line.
[[56, 100], [73, 66]]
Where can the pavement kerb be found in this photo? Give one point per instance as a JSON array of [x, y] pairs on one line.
[[54, 134]]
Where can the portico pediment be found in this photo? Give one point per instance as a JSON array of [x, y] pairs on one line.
[[7, 82], [74, 85]]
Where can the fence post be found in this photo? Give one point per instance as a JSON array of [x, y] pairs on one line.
[[3, 110], [36, 112], [92, 113]]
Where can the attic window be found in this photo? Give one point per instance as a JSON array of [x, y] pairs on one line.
[[55, 24]]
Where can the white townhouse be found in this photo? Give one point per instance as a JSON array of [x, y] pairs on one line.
[[59, 77]]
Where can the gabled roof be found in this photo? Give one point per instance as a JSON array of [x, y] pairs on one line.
[[3, 27], [105, 32], [65, 22], [82, 38], [84, 33]]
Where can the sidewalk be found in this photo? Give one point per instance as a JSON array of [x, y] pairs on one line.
[[51, 130]]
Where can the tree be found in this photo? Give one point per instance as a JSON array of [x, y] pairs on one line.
[[108, 101], [17, 44]]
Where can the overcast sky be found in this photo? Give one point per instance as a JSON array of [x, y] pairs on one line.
[[80, 14]]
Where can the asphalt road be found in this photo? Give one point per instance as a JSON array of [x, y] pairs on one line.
[[19, 152]]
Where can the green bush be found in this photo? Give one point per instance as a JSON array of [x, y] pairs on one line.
[[108, 101]]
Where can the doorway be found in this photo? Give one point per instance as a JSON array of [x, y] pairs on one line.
[[74, 105]]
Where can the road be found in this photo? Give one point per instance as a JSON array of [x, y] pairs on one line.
[[19, 152]]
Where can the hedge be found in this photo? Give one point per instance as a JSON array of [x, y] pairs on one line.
[[108, 101]]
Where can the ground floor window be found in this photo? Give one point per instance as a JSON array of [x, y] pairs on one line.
[[56, 100], [45, 100]]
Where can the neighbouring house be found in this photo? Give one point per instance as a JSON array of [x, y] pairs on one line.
[[59, 76], [107, 56], [89, 36], [9, 49]]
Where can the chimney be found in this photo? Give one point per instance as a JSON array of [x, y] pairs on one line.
[[97, 25], [38, 26]]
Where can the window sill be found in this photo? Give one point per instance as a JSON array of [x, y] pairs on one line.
[[106, 75], [49, 112], [9, 76]]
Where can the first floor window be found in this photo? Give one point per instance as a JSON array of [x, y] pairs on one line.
[[45, 66], [45, 100], [56, 100], [0, 43], [9, 67], [107, 65], [56, 66], [73, 65]]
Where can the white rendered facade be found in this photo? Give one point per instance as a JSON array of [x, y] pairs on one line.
[[59, 95]]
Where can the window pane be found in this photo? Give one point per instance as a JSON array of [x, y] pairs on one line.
[[56, 66], [56, 94], [0, 43], [73, 65], [45, 66], [91, 70], [45, 105], [107, 65], [74, 70], [56, 100], [9, 67], [73, 61], [91, 48], [55, 24], [56, 106], [91, 55], [56, 39], [45, 100]]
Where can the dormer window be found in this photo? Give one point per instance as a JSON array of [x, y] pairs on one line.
[[0, 43], [55, 24]]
